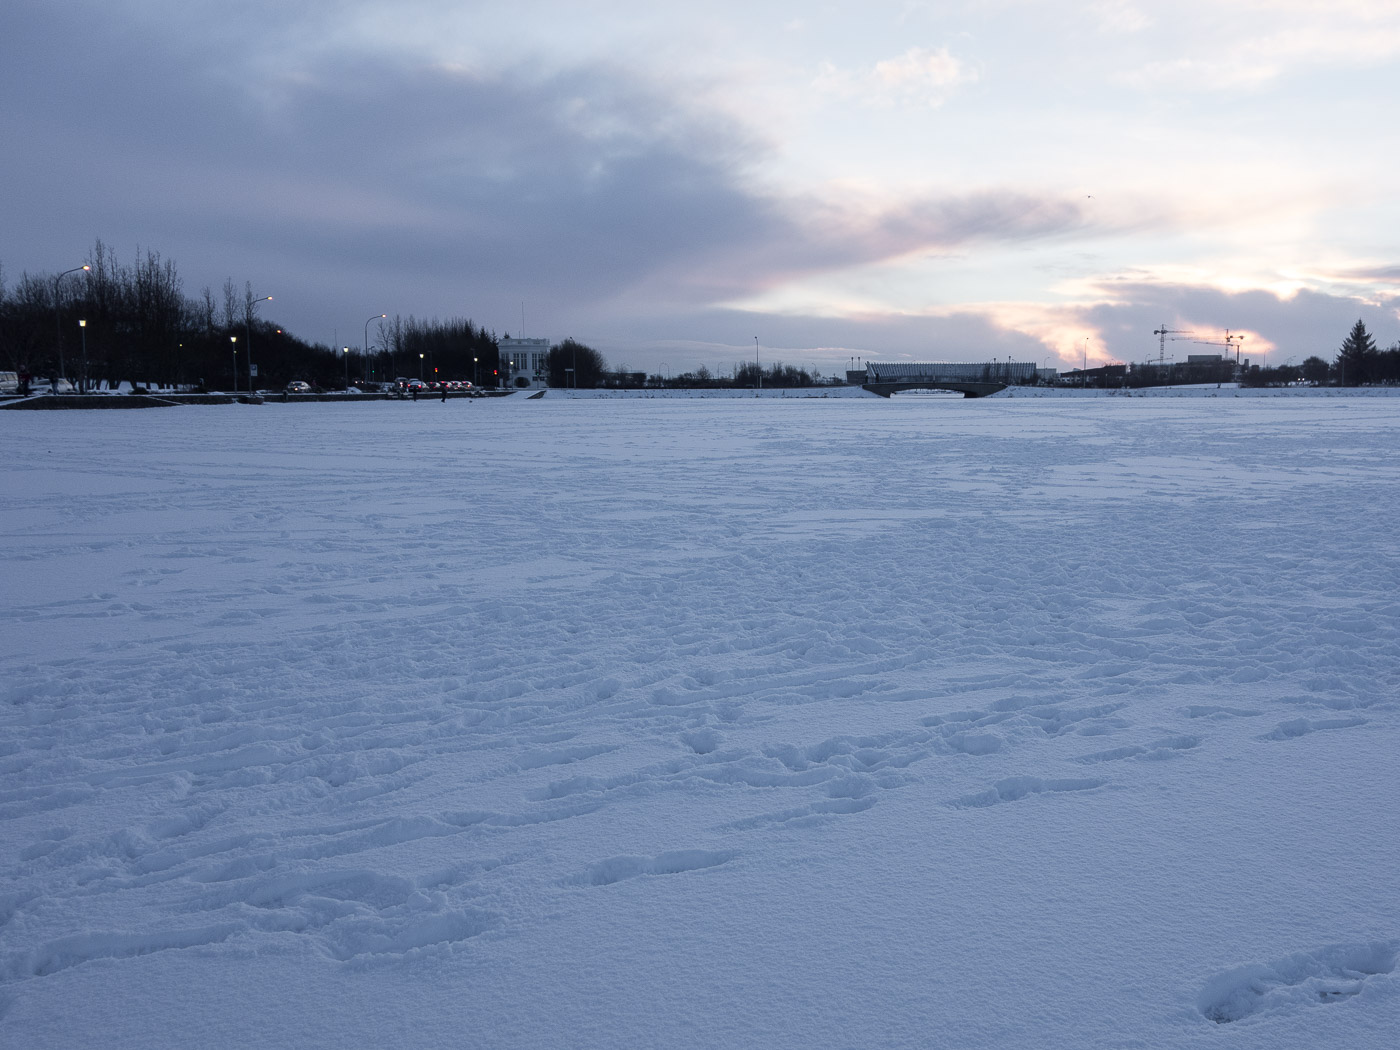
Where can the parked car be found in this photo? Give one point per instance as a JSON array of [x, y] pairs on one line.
[[416, 384], [296, 386]]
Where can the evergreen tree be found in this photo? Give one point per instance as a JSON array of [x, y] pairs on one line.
[[1357, 356]]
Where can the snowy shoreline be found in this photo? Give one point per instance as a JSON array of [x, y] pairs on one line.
[[1209, 390]]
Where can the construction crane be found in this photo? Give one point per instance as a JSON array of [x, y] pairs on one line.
[[1232, 339], [1164, 333], [1237, 339]]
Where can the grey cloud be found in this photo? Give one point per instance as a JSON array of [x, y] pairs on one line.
[[347, 177], [1374, 274], [808, 236]]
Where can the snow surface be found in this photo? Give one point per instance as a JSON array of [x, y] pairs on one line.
[[1062, 722]]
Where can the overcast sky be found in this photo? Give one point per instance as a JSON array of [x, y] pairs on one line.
[[902, 180]]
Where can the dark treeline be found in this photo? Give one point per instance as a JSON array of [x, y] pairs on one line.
[[140, 327], [417, 349], [743, 377], [572, 364], [1357, 363]]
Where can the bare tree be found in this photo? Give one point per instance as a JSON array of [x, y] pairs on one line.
[[230, 304], [391, 341], [207, 313]]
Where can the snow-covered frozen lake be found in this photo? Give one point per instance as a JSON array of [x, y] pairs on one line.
[[1044, 723]]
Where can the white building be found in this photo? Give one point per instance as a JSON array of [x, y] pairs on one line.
[[527, 358]]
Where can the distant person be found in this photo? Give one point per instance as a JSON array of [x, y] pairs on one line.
[[443, 388], [415, 393]]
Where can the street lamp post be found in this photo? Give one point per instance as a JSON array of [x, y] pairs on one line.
[[248, 335], [375, 317], [758, 369], [233, 343], [474, 371], [82, 380], [345, 353], [58, 316], [420, 367]]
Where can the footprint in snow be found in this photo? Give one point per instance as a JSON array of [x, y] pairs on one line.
[[1328, 975], [616, 869], [1160, 749], [1013, 789], [1216, 712], [1297, 727], [702, 741]]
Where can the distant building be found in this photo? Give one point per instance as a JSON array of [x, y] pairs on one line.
[[623, 380], [1104, 375], [528, 358]]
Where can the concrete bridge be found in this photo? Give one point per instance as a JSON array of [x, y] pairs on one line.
[[968, 379]]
